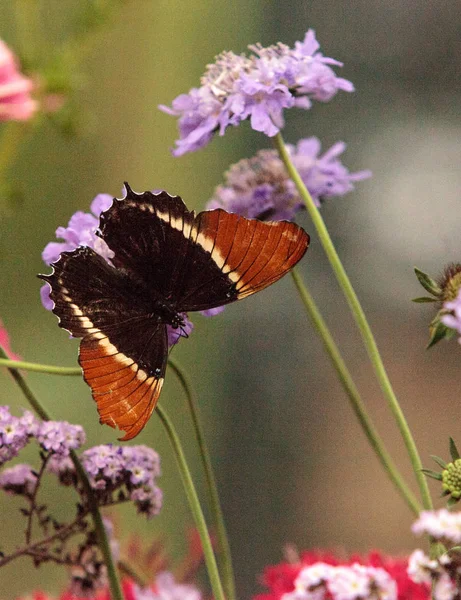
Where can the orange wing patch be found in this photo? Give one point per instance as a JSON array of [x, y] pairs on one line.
[[124, 393], [271, 249]]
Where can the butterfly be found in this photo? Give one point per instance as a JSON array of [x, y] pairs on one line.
[[167, 261]]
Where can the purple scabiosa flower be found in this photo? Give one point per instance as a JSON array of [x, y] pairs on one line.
[[16, 103], [452, 318], [20, 479], [60, 437], [15, 433], [259, 187], [258, 87], [80, 231]]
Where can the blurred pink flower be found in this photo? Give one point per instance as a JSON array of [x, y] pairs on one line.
[[16, 103]]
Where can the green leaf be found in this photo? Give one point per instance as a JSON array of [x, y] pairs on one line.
[[454, 450], [451, 501], [450, 333], [439, 332], [424, 299], [428, 283], [439, 461], [433, 474]]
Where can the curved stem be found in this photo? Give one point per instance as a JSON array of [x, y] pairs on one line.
[[39, 368], [4, 560], [353, 394], [114, 583], [194, 504], [224, 556], [360, 319]]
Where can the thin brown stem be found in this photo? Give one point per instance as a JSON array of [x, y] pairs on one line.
[[36, 545], [33, 499]]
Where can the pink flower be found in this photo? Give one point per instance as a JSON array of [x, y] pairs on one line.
[[5, 343], [16, 103]]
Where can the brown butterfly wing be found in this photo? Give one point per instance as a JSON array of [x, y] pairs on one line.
[[124, 349], [234, 257], [198, 262]]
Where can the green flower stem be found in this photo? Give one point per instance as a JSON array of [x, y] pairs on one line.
[[103, 541], [39, 368], [353, 394], [360, 319], [194, 504], [224, 556], [114, 583], [132, 573]]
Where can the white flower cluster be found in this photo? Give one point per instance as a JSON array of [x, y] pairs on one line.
[[355, 582], [440, 524], [442, 573]]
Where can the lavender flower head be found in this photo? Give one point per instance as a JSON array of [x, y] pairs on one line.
[[259, 187], [20, 479], [60, 437], [81, 231], [15, 433], [453, 317], [257, 87], [132, 469]]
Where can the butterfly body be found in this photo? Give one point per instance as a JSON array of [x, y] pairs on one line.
[[167, 261]]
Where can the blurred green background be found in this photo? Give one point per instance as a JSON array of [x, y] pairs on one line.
[[291, 462]]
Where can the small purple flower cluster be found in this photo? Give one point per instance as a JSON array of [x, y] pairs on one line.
[[130, 471], [60, 437], [130, 468], [20, 479], [355, 582], [260, 187], [56, 437], [15, 432], [257, 87]]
